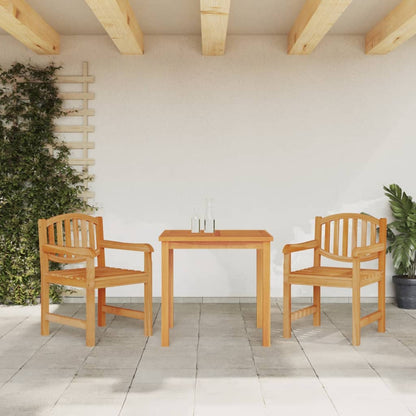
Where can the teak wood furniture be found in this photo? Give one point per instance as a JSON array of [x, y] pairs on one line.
[[224, 239], [346, 238], [78, 238]]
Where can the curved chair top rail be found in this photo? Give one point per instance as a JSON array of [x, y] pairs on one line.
[[70, 216], [365, 217], [72, 230], [339, 234]]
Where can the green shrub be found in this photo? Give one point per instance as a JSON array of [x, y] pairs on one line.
[[36, 180]]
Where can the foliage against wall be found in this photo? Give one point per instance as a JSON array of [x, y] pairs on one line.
[[36, 180]]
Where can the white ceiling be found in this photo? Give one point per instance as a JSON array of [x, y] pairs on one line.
[[168, 17]]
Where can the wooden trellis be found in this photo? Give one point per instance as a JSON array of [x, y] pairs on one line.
[[80, 128]]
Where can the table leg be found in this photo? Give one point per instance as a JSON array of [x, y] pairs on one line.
[[170, 288], [259, 288], [266, 294], [165, 294]]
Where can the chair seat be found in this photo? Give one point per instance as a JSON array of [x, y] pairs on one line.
[[332, 276], [104, 277]]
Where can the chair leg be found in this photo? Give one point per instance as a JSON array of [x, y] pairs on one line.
[[101, 303], [382, 305], [356, 315], [317, 303], [90, 317], [287, 306], [148, 309], [44, 304]]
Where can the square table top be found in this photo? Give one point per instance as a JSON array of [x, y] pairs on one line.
[[218, 235]]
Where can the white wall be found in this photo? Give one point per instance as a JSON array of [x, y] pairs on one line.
[[274, 139]]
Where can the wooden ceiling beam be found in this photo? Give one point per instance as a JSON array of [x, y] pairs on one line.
[[313, 23], [396, 28], [119, 21], [214, 23], [27, 26]]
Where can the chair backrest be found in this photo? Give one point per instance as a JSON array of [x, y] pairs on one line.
[[339, 234], [71, 230]]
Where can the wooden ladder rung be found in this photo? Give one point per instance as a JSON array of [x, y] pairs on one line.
[[76, 95], [80, 145], [301, 313], [74, 129], [81, 162], [74, 79], [368, 319], [128, 313], [66, 320], [78, 112], [87, 194]]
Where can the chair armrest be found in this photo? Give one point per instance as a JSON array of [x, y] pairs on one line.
[[147, 248], [362, 252], [291, 248], [71, 251]]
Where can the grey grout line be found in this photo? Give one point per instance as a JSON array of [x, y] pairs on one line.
[[386, 332], [72, 379], [82, 363], [405, 345], [390, 389], [252, 356], [15, 373], [409, 314], [18, 324], [137, 366], [232, 299], [338, 329], [357, 349], [369, 364], [374, 369], [280, 308], [316, 374], [50, 336], [331, 315], [197, 355]]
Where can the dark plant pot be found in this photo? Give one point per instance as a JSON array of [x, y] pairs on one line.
[[405, 292]]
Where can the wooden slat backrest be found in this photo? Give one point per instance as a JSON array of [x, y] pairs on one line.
[[336, 237], [99, 239], [68, 233], [373, 233], [71, 230], [345, 237], [84, 235], [364, 234], [318, 233], [51, 234], [75, 231], [59, 233], [339, 234]]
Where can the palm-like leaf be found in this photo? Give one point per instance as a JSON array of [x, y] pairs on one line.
[[401, 233]]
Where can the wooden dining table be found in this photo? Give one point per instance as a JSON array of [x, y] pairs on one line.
[[258, 240]]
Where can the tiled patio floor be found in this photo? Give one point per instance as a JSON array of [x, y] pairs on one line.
[[214, 366]]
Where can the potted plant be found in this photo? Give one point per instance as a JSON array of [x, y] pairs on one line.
[[401, 237]]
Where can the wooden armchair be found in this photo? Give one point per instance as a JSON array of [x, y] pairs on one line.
[[78, 238], [346, 238]]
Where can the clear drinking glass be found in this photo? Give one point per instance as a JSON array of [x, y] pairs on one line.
[[195, 224], [209, 224]]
